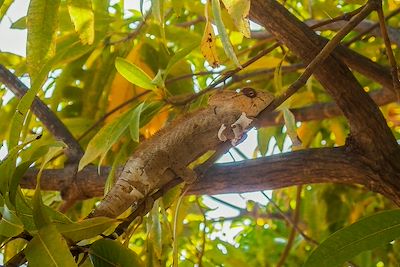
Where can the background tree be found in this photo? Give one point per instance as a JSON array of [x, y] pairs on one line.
[[330, 129]]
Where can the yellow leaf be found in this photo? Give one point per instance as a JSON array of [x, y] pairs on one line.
[[239, 11], [121, 89], [156, 123], [208, 46], [339, 132], [307, 132], [266, 62]]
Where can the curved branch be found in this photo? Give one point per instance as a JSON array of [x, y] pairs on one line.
[[44, 114]]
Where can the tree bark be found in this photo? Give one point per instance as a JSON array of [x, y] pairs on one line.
[[322, 165]]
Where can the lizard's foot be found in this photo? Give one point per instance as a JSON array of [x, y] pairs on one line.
[[239, 127]]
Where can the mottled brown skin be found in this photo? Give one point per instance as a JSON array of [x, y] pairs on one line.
[[176, 146]]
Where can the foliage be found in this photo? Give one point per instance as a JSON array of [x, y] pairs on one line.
[[97, 61]]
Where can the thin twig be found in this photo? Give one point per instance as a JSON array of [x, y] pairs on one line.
[[191, 22], [346, 16], [375, 25], [52, 123], [223, 202], [289, 220], [389, 51], [190, 75], [178, 101], [133, 34], [292, 234]]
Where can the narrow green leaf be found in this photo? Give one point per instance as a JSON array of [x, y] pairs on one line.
[[4, 7], [134, 74], [42, 24], [24, 105], [82, 16], [12, 247], [135, 123], [216, 9], [48, 248], [106, 253], [264, 135], [10, 224], [157, 7], [20, 24], [155, 236], [366, 234], [40, 216], [104, 139], [85, 229], [8, 166], [10, 60], [291, 128], [178, 56]]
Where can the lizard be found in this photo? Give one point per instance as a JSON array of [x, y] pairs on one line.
[[226, 118]]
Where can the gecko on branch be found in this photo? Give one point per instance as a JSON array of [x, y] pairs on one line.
[[168, 153]]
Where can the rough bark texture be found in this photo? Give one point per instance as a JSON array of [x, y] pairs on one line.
[[324, 165], [370, 136]]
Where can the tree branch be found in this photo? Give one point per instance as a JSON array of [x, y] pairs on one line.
[[44, 114], [324, 165]]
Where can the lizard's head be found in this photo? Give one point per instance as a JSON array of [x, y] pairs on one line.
[[247, 100]]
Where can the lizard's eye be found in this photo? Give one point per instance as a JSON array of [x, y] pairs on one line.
[[249, 92]]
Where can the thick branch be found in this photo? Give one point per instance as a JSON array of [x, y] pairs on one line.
[[366, 122], [325, 165], [44, 114]]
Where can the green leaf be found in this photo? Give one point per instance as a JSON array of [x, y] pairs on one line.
[[42, 22], [4, 7], [263, 137], [48, 248], [10, 60], [20, 24], [106, 252], [10, 224], [134, 74], [82, 16], [8, 166], [216, 9], [155, 236], [40, 216], [85, 229], [24, 104], [366, 234], [291, 128], [157, 7], [135, 123], [178, 56], [104, 139]]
